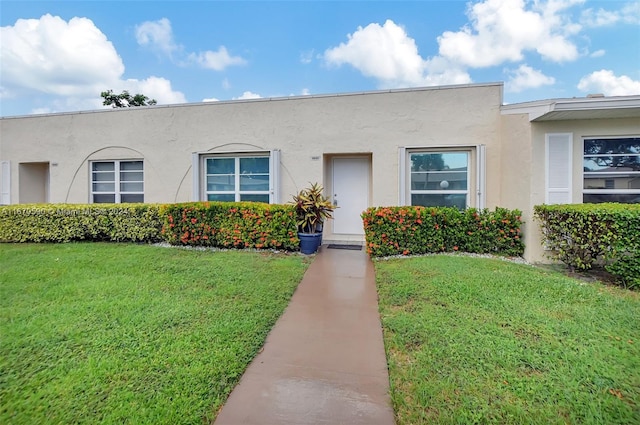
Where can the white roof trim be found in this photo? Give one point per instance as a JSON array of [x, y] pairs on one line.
[[545, 109]]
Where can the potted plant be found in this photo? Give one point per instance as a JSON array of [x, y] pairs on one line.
[[312, 209]]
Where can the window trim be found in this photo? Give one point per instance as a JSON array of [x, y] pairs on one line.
[[606, 191], [116, 170], [475, 172], [5, 182]]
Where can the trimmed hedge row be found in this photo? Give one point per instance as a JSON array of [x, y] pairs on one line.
[[231, 225], [587, 235], [422, 230], [215, 224], [73, 222]]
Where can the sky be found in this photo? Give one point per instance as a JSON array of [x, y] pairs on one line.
[[58, 56]]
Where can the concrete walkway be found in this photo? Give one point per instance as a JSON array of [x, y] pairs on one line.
[[324, 361]]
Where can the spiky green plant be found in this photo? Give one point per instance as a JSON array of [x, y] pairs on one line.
[[312, 208]]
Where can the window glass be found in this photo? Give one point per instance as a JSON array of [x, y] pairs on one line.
[[104, 199], [129, 176], [219, 197], [104, 187], [220, 166], [220, 183], [131, 187], [254, 165], [441, 200], [255, 198], [617, 163], [611, 170], [246, 177], [104, 177], [593, 198], [131, 165], [103, 166], [132, 197], [117, 181], [439, 178], [254, 182], [627, 145]]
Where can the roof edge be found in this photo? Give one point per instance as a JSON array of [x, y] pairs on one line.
[[268, 99], [539, 109]]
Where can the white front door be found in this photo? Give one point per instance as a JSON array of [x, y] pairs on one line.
[[350, 193]]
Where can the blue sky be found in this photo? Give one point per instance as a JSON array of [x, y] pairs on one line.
[[58, 56]]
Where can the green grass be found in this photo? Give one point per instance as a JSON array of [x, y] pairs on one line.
[[119, 333], [474, 340]]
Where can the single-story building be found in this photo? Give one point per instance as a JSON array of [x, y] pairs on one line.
[[450, 145]]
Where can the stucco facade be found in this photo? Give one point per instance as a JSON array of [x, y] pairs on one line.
[[360, 146]]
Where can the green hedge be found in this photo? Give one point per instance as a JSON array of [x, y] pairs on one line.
[[231, 225], [421, 230], [72, 222], [215, 224], [587, 235]]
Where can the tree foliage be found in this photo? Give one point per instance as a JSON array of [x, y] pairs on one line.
[[428, 162], [125, 99]]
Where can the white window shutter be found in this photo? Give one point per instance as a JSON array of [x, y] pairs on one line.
[[195, 170], [402, 176], [5, 183], [274, 176], [481, 177], [559, 168]]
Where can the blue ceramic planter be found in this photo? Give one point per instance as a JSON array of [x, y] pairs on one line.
[[309, 242]]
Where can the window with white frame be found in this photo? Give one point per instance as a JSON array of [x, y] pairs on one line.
[[611, 170], [439, 178], [117, 181], [235, 178]]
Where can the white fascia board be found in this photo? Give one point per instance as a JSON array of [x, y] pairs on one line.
[[598, 103], [538, 109]]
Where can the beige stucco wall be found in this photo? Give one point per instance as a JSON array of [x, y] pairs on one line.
[[516, 182], [376, 124]]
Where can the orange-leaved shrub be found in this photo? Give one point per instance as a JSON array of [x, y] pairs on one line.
[[413, 230], [231, 225]]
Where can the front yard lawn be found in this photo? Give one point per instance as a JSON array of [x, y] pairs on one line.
[[475, 340], [121, 333]]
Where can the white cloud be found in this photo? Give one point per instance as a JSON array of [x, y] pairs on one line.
[[53, 56], [226, 84], [629, 14], [303, 92], [44, 110], [71, 62], [70, 104], [389, 55], [598, 53], [307, 57], [606, 82], [248, 95], [526, 77], [211, 99], [155, 88], [157, 35], [216, 60], [503, 30]]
